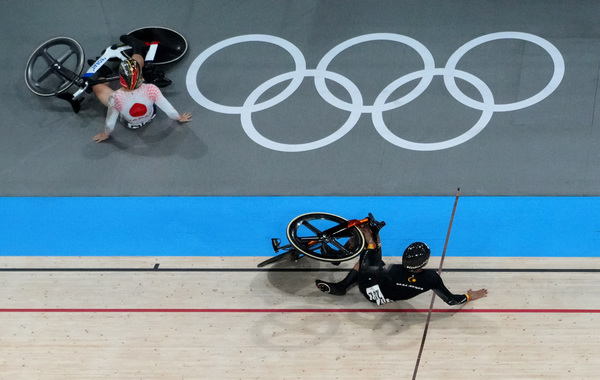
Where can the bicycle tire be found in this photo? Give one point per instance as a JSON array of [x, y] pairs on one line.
[[40, 78], [173, 44], [305, 233]]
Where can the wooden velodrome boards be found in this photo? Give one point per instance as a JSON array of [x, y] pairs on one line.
[[202, 317]]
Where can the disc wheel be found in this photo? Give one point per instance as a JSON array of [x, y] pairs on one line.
[[318, 235], [40, 76], [172, 45]]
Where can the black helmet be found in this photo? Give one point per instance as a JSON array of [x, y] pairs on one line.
[[416, 256], [130, 74]]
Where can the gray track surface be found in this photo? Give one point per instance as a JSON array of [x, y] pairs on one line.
[[550, 148]]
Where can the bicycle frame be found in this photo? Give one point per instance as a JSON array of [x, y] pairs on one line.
[[86, 80]]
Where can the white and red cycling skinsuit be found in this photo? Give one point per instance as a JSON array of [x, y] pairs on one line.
[[136, 107]]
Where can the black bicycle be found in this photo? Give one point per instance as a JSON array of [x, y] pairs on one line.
[[324, 237], [57, 65]]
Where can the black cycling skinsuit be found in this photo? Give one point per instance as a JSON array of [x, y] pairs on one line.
[[381, 284]]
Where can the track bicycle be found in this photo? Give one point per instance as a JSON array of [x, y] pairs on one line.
[[324, 237], [57, 65]]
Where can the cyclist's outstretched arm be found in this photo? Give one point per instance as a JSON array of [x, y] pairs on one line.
[[111, 120], [162, 103], [457, 299]]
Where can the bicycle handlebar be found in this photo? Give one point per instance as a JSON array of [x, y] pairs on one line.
[[373, 223]]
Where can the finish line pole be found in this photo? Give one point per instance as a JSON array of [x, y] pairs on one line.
[[433, 295]]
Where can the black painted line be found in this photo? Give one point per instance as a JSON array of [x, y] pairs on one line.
[[157, 269]]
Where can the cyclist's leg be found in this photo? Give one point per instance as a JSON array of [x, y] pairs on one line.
[[137, 47], [102, 92], [370, 264], [369, 259], [140, 59], [366, 272], [371, 273], [339, 288]]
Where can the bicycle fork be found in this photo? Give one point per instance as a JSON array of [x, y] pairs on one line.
[[67, 74]]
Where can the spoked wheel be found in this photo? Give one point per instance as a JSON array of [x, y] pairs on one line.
[[319, 235], [40, 76], [172, 45]]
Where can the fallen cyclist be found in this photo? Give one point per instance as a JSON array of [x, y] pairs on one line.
[[135, 102], [382, 284]]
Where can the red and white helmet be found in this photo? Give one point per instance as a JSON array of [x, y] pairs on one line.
[[130, 74]]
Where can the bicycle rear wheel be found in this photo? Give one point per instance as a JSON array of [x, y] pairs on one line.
[[40, 76], [317, 236], [172, 45]]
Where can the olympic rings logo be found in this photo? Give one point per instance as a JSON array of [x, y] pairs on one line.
[[356, 106]]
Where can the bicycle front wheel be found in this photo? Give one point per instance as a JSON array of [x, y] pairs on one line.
[[40, 76], [325, 237]]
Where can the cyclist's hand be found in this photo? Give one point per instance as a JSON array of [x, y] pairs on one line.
[[476, 294], [185, 117], [370, 238], [100, 137]]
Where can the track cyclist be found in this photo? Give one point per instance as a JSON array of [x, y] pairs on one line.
[[381, 284], [135, 102]]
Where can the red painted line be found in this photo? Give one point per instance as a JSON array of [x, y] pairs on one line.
[[541, 311], [498, 311]]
